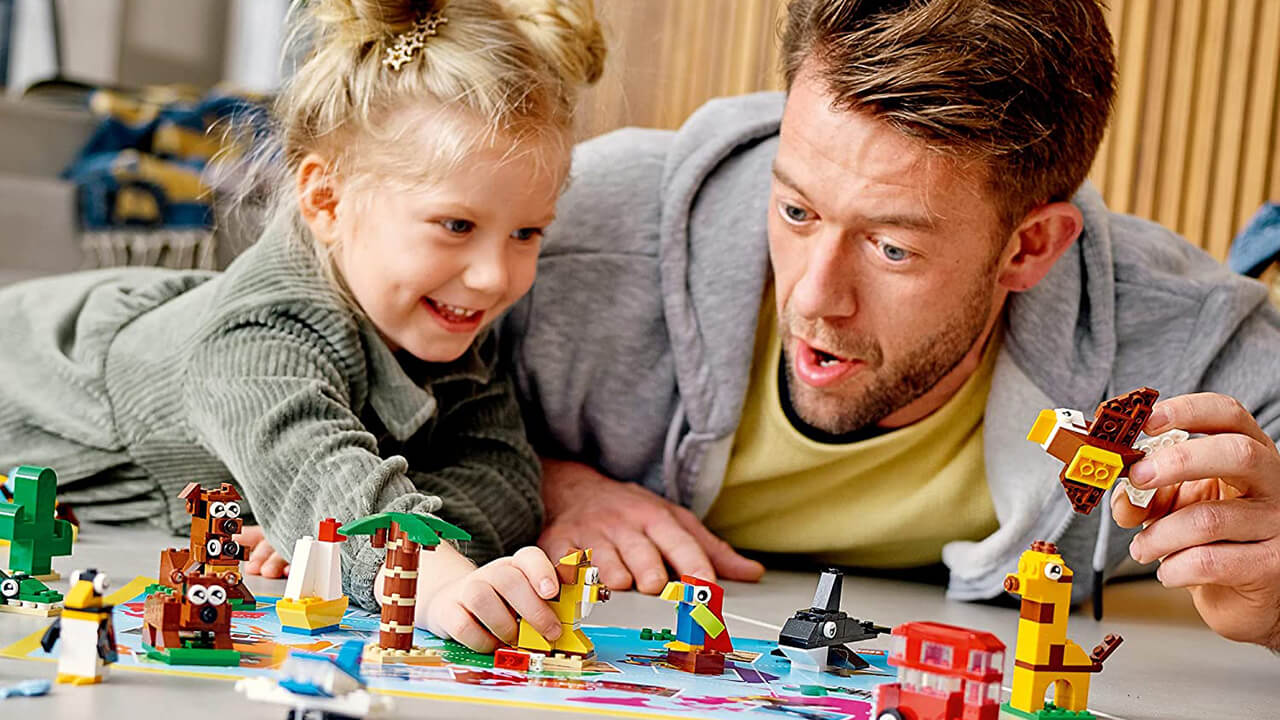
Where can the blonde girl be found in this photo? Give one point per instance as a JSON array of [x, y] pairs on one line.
[[343, 364]]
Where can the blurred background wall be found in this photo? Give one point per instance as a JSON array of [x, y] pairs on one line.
[[1194, 144]]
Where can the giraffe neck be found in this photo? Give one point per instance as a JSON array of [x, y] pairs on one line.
[[1047, 622]]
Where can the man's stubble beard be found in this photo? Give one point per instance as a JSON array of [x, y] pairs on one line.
[[889, 388]]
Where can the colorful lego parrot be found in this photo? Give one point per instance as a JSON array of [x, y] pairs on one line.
[[699, 614]]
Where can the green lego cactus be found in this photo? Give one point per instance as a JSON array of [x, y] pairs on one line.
[[28, 523]]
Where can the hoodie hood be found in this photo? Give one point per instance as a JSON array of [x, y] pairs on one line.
[[714, 251]]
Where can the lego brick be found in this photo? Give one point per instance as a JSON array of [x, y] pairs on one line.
[[561, 663], [413, 656], [310, 614], [31, 609], [300, 583], [699, 662], [1094, 466], [208, 657], [511, 659], [709, 623], [311, 632]]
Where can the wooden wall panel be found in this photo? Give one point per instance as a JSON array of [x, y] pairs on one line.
[[1194, 143]]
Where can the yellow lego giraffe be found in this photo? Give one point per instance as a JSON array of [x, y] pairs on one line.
[[580, 590], [1043, 654]]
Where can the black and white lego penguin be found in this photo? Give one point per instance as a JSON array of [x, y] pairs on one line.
[[85, 629]]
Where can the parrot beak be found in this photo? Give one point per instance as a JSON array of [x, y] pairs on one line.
[[673, 592]]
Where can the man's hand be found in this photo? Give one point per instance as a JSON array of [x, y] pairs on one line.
[[263, 559], [631, 531], [1215, 519]]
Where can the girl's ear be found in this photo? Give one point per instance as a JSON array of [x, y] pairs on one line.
[[318, 197]]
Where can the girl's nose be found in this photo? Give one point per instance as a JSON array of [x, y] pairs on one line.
[[487, 271]]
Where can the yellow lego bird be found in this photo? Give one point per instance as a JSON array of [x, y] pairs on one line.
[[580, 591]]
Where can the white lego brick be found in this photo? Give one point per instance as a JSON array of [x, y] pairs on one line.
[[300, 583], [78, 649], [326, 566], [1142, 498]]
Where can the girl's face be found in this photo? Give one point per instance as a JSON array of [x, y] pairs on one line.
[[432, 267]]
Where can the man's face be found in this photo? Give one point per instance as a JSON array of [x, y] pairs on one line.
[[884, 256]]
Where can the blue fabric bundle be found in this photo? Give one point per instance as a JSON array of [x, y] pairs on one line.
[[140, 177], [1258, 245]]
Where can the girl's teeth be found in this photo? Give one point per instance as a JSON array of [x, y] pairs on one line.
[[461, 313]]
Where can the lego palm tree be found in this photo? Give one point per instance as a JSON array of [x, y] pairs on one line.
[[403, 535]]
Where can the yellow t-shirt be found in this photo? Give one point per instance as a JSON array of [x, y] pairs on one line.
[[892, 500]]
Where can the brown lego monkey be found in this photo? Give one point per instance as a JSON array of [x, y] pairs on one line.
[[215, 519], [198, 610]]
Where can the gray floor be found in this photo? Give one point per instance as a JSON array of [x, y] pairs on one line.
[[1170, 667]]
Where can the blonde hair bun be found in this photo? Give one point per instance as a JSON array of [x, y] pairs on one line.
[[356, 22], [566, 32]]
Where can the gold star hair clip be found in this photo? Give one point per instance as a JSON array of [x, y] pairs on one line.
[[409, 42]]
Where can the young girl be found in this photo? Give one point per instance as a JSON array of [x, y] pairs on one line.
[[342, 365]]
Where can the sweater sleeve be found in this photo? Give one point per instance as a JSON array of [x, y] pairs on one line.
[[485, 471], [272, 396]]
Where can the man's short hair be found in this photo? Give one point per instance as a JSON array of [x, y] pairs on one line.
[[1026, 86]]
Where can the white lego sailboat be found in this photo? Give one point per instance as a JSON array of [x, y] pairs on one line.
[[313, 601]]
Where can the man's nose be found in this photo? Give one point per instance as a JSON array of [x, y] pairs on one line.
[[826, 289]]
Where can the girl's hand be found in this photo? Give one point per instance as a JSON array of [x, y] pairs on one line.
[[482, 608], [263, 559]]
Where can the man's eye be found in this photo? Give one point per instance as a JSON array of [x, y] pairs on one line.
[[793, 214], [458, 227], [893, 252], [530, 233]]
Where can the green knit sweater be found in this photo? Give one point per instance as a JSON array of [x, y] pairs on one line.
[[131, 383]]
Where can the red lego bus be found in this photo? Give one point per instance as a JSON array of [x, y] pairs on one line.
[[944, 673]]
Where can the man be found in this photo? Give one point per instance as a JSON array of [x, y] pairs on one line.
[[935, 275]]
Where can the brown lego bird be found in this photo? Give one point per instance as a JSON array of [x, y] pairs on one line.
[[1095, 453]]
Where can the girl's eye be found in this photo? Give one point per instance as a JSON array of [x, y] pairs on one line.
[[526, 234], [458, 227], [892, 252], [793, 214]]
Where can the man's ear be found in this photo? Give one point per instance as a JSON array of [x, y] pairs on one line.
[[1036, 244], [318, 197]]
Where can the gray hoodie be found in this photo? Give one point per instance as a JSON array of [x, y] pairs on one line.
[[633, 351]]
